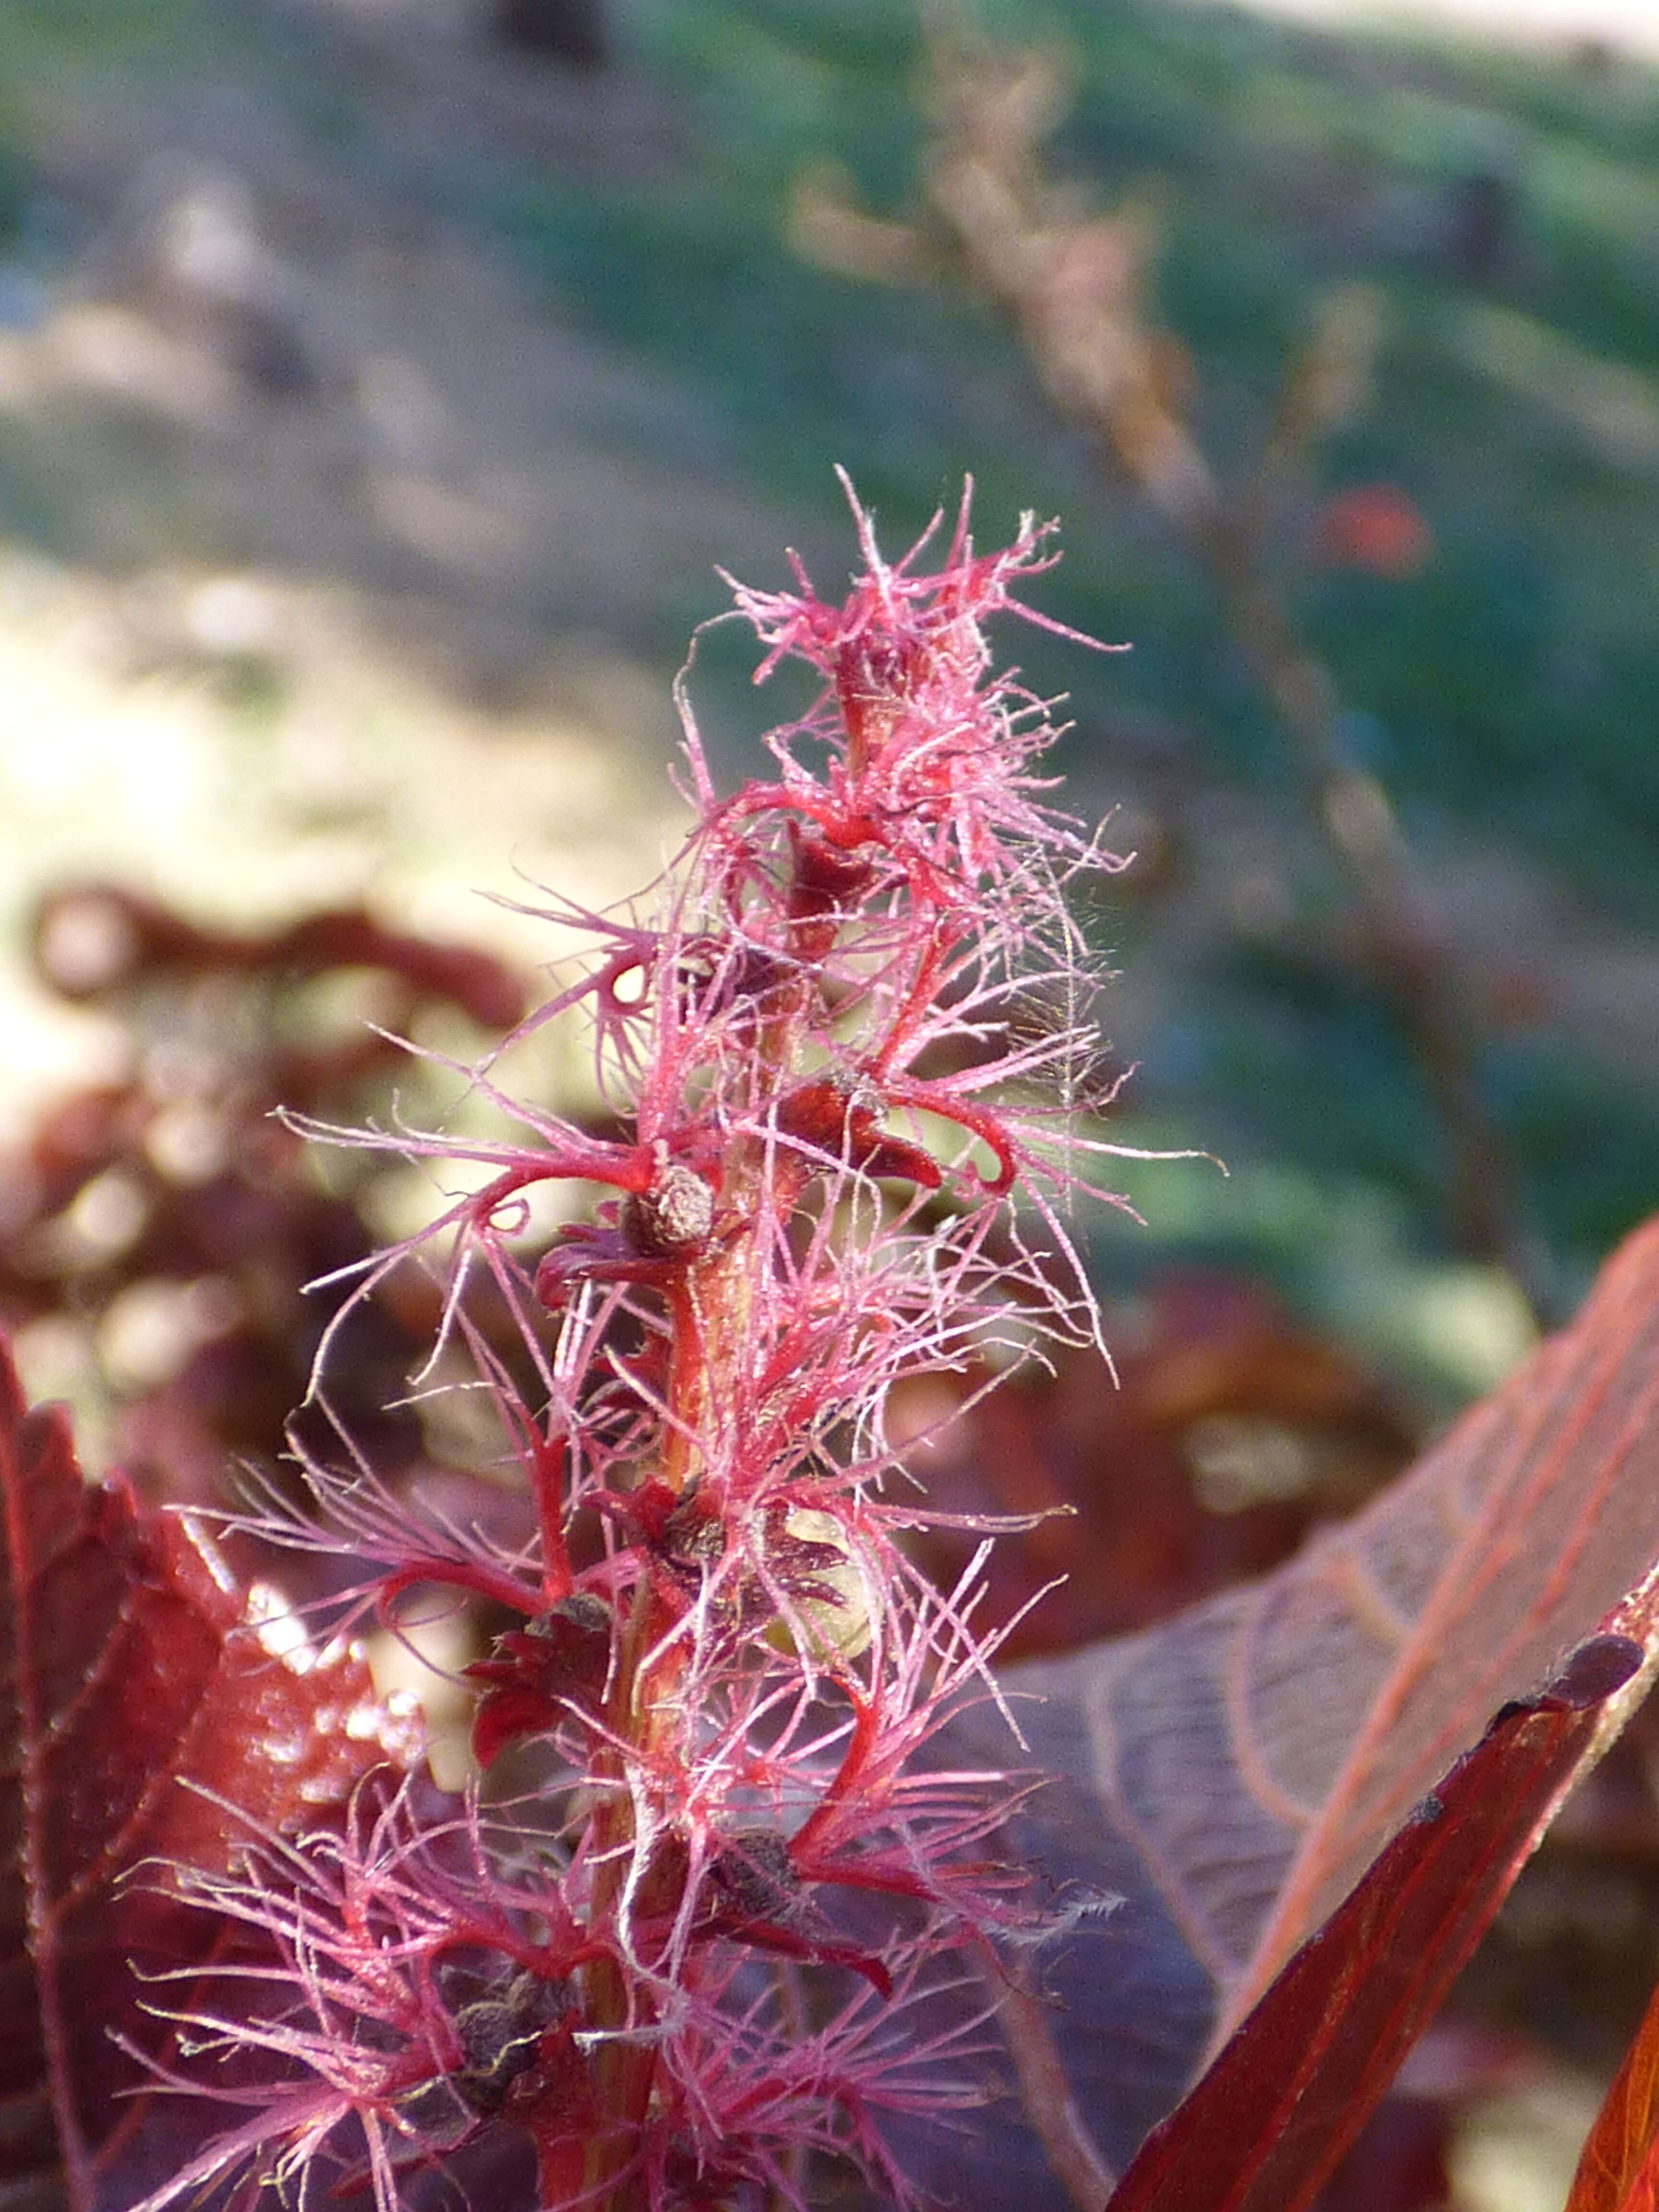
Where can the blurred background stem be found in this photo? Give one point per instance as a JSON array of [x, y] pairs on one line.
[[1074, 283]]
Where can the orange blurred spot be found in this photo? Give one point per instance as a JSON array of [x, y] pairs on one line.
[[1375, 527]]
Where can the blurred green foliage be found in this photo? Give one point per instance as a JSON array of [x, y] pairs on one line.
[[1509, 675], [1504, 693]]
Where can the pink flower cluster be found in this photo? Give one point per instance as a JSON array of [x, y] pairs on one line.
[[846, 1062]]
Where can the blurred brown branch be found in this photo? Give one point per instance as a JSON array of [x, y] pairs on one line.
[[1073, 283]]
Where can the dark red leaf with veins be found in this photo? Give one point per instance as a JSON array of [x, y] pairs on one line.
[[1229, 1775], [1293, 2087], [131, 1667]]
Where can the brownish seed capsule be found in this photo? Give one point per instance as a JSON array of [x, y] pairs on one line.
[[498, 2037], [674, 1218], [754, 1878]]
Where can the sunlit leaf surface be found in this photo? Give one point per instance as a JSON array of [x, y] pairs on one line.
[[130, 1668]]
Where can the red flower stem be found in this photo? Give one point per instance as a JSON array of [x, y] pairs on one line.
[[853, 1760], [924, 989], [499, 1587], [710, 1312], [550, 1458]]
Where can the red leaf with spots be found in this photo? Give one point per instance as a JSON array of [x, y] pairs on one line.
[[130, 1667]]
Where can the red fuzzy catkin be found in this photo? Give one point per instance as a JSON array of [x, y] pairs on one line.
[[848, 1059]]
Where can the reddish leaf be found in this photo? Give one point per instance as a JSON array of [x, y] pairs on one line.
[[91, 938], [1618, 2170], [129, 1666], [1397, 2162], [1231, 1775], [1294, 2085]]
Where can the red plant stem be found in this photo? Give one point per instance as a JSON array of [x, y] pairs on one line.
[[853, 1759], [924, 989], [710, 1312], [625, 2068], [498, 1587], [550, 1458]]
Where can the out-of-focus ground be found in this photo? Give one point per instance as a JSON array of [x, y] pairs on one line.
[[345, 447], [329, 554], [376, 403]]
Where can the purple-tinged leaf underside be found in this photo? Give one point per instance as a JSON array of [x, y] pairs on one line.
[[1294, 2084], [1229, 1775]]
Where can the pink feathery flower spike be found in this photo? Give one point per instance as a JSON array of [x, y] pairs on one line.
[[847, 1059]]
